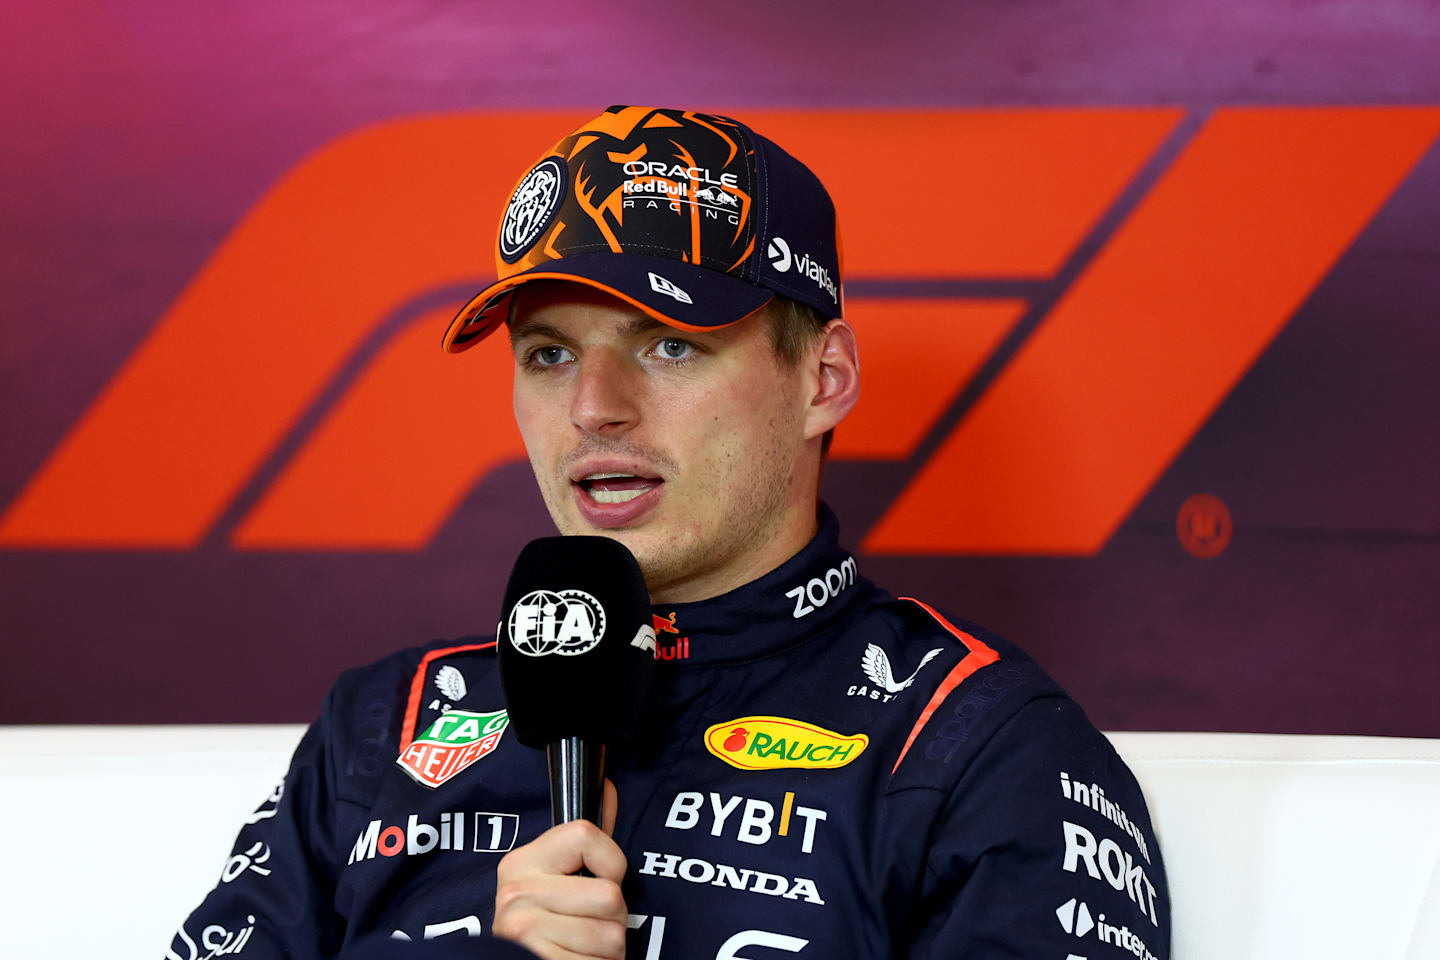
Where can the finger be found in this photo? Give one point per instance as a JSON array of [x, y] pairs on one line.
[[522, 899], [580, 937], [564, 849], [609, 806]]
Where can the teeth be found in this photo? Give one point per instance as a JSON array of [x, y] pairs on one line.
[[606, 476], [616, 496]]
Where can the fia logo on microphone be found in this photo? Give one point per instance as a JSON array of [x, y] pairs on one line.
[[563, 622]]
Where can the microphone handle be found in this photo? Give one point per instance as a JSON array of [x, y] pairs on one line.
[[577, 780]]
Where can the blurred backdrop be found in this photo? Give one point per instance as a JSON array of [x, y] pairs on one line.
[[1148, 298]]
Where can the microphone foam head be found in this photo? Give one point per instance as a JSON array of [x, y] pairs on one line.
[[576, 642]]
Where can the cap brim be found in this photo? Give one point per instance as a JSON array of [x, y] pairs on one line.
[[678, 294]]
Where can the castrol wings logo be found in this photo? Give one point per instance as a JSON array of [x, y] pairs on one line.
[[452, 743], [773, 743]]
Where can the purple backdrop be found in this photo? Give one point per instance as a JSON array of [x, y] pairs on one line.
[[137, 134]]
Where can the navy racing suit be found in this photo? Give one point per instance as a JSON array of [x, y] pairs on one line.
[[828, 771]]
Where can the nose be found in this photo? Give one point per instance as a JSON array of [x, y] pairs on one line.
[[604, 402]]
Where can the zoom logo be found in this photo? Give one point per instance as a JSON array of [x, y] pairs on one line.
[[819, 591]]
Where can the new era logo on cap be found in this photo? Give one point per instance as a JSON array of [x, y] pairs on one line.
[[660, 285]]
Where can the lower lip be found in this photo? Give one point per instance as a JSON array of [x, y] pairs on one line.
[[611, 515]]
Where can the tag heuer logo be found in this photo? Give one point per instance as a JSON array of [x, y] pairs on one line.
[[452, 743]]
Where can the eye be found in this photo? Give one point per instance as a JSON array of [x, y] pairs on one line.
[[551, 356], [673, 348]]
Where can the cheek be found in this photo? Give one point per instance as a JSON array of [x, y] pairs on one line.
[[536, 425]]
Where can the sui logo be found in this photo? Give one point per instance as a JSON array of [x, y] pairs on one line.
[[564, 622]]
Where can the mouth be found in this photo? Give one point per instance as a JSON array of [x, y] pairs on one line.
[[618, 494], [616, 487]]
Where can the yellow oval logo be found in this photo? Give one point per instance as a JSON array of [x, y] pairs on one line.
[[769, 743]]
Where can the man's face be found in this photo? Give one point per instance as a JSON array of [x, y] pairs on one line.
[[686, 447]]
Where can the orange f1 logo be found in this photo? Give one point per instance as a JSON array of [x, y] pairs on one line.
[[1101, 387]]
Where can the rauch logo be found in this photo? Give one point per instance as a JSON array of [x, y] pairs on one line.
[[770, 743]]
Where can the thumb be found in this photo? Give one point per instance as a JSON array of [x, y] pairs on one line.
[[608, 807]]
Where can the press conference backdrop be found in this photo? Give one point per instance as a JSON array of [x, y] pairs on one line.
[[1147, 298]]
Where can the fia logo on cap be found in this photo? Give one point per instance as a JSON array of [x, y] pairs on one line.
[[564, 622]]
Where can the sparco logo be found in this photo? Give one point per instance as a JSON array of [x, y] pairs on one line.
[[531, 207], [782, 260], [568, 623], [819, 591]]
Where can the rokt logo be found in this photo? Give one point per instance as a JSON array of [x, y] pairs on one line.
[[1105, 859], [568, 623], [771, 743]]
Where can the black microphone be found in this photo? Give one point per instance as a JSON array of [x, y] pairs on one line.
[[576, 645]]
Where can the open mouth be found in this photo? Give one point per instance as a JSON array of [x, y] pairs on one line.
[[616, 487]]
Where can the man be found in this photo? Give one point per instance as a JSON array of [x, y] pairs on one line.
[[830, 772]]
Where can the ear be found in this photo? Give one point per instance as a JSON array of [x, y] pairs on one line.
[[836, 371]]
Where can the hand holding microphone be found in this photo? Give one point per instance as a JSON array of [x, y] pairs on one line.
[[576, 664]]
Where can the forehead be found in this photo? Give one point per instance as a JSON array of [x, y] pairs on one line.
[[550, 302], [555, 307]]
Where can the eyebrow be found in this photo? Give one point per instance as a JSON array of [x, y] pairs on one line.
[[635, 327]]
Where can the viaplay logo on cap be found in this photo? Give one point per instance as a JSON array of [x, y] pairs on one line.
[[771, 743], [531, 207], [567, 623]]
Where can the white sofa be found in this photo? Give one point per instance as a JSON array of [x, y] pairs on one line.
[[1276, 846]]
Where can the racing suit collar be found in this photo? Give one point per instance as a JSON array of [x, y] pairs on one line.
[[793, 602]]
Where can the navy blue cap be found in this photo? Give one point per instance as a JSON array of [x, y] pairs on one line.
[[692, 218]]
